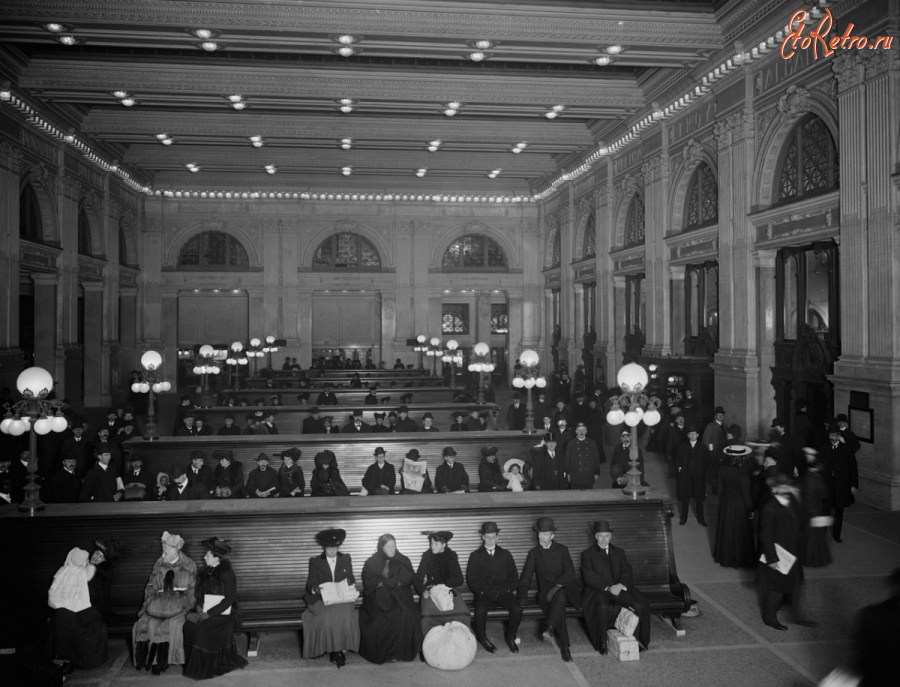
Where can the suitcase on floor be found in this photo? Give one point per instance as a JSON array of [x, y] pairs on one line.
[[622, 647]]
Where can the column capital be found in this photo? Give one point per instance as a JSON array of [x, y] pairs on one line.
[[11, 157], [45, 278], [131, 291], [93, 286], [765, 258], [676, 272]]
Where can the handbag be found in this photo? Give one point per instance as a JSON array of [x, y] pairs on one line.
[[626, 622]]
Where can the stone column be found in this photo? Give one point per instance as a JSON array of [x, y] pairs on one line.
[[388, 328], [128, 355], [764, 263], [579, 322], [10, 354], [168, 344], [566, 302], [96, 372], [290, 261], [304, 326], [676, 281], [619, 326], [656, 193], [483, 316], [45, 333]]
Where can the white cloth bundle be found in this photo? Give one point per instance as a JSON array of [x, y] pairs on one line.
[[626, 622], [449, 647], [442, 597]]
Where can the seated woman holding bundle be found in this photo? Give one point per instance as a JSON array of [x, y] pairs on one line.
[[437, 581]]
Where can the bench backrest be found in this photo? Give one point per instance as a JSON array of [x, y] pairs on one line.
[[349, 397]]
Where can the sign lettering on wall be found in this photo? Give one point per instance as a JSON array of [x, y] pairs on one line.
[[697, 117], [38, 145], [628, 160], [777, 71], [90, 175]]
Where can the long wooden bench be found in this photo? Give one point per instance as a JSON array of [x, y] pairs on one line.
[[343, 373], [350, 397], [354, 452], [273, 539], [289, 418]]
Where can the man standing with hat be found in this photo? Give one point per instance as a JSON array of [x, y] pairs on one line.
[[692, 465], [516, 414], [262, 482], [102, 482], [841, 470], [356, 424], [451, 477], [63, 485], [547, 471], [404, 422], [492, 576], [715, 438], [138, 482], [781, 450], [78, 444], [582, 461], [557, 583], [608, 580]]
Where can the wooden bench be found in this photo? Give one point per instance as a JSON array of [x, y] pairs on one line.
[[345, 373], [273, 540], [354, 452], [350, 397], [289, 418]]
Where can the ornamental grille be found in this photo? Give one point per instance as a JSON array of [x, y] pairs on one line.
[[474, 252], [455, 318], [634, 227], [810, 161], [213, 249], [347, 251], [590, 237], [703, 199], [499, 318]]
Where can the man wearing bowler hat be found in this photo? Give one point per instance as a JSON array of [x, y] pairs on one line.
[[715, 438], [692, 466], [557, 582], [428, 423], [450, 476], [608, 586], [356, 424], [492, 576]]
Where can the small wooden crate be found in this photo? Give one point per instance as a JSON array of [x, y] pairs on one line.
[[622, 647]]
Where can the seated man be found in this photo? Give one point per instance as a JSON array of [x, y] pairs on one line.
[[262, 482], [229, 476], [404, 422], [608, 581], [201, 473], [356, 424], [492, 576], [450, 476], [229, 429], [557, 583], [182, 489]]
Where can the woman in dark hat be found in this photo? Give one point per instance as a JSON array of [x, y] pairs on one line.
[[209, 646], [734, 546], [331, 626], [409, 478], [326, 477], [389, 621], [490, 474], [379, 427], [814, 496], [380, 478], [290, 475], [229, 476], [437, 581], [458, 422]]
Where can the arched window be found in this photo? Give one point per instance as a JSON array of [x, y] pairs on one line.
[[474, 252], [213, 250], [31, 225], [634, 222], [84, 234], [123, 249], [556, 254], [702, 199], [590, 237], [809, 164], [346, 251]]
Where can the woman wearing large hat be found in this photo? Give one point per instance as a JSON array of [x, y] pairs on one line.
[[326, 476], [438, 580], [490, 475], [209, 646], [734, 545], [330, 624]]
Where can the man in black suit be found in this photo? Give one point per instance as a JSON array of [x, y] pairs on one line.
[[557, 583], [63, 485], [675, 437], [876, 636], [609, 585], [326, 397], [782, 451], [564, 434], [428, 423], [841, 470], [187, 425], [102, 482], [181, 488], [313, 424], [619, 465], [404, 422], [327, 427], [372, 398], [516, 414], [229, 429], [200, 473], [492, 576], [692, 465], [139, 483], [450, 476], [18, 474], [548, 466], [356, 424], [78, 444], [187, 406]]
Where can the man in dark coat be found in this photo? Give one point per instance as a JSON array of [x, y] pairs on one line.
[[372, 398], [381, 477], [579, 411], [356, 424], [692, 466], [229, 476], [181, 488], [268, 423], [428, 423], [450, 476], [187, 425], [675, 437], [715, 438], [548, 472], [492, 576], [609, 585], [841, 470], [557, 583], [18, 474], [328, 427], [780, 526], [516, 414], [404, 422], [313, 424], [619, 465], [564, 434], [474, 423], [186, 407], [102, 482], [876, 636], [561, 412], [541, 408], [229, 429], [201, 473], [582, 461], [545, 424], [139, 483], [326, 397], [63, 486], [79, 445], [262, 482], [781, 450]]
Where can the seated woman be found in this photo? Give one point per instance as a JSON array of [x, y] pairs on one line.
[[388, 622], [330, 624], [380, 478], [80, 596], [326, 477], [229, 476], [490, 476], [290, 475], [437, 581], [163, 626], [209, 646]]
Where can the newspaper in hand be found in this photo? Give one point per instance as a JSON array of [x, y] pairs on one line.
[[338, 593], [414, 474], [785, 561]]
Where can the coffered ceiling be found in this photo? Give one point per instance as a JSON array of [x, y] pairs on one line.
[[412, 59]]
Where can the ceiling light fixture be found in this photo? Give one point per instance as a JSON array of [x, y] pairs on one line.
[[346, 143], [346, 171], [209, 46], [167, 141], [162, 136], [192, 167], [128, 102], [346, 109], [239, 105], [69, 40], [421, 172], [57, 28], [555, 111], [271, 169], [614, 49], [235, 98], [347, 51], [347, 39], [519, 147], [483, 44], [120, 94], [204, 34], [255, 139], [477, 56], [601, 61]]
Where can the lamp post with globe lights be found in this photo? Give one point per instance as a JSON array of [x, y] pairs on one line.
[[152, 381], [204, 365], [482, 363], [454, 357], [434, 352], [632, 407], [235, 359], [35, 415], [269, 349], [528, 376], [255, 352], [420, 348]]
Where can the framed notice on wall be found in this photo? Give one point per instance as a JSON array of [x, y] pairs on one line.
[[862, 423]]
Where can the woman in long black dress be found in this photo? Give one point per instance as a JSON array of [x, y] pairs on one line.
[[326, 477], [439, 575], [389, 621], [490, 475], [209, 646], [734, 547], [814, 493], [332, 626]]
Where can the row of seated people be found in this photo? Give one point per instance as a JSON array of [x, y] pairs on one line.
[[263, 421], [354, 382], [544, 468]]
